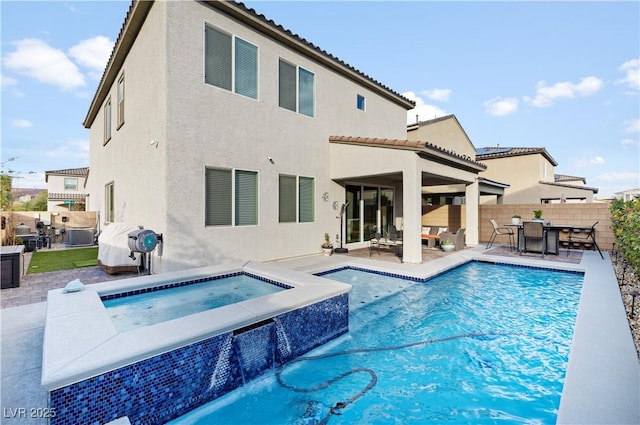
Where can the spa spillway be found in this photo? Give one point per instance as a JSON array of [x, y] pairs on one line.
[[151, 370]]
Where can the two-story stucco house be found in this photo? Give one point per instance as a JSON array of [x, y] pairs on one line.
[[235, 138], [529, 172], [66, 189]]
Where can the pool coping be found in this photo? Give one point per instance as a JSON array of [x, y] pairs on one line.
[[602, 382], [81, 341]]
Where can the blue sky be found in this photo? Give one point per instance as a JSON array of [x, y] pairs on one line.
[[559, 75]]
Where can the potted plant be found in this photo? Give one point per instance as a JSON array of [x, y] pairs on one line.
[[537, 215], [327, 248], [447, 245], [515, 219]]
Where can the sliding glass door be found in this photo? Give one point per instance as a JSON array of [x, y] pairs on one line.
[[370, 210]]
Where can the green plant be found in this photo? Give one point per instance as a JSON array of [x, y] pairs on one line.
[[327, 243], [537, 213], [625, 223], [447, 242], [515, 216]]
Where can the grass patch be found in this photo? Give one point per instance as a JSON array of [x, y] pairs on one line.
[[67, 259]]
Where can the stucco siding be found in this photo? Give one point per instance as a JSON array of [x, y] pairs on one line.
[[129, 160], [205, 126]]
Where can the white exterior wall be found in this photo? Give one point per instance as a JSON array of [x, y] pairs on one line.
[[199, 126], [55, 184], [136, 167]]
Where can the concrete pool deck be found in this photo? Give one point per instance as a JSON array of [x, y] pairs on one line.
[[603, 377]]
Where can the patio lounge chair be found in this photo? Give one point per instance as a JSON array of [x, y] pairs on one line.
[[500, 231], [457, 238], [534, 237]]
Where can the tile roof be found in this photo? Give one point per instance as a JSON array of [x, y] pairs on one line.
[[564, 178], [76, 172], [570, 186], [493, 152], [413, 145], [139, 9], [56, 196]]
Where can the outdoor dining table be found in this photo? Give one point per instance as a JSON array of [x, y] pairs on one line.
[[553, 237]]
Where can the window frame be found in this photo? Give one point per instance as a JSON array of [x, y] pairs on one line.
[[109, 202], [107, 121], [235, 213], [361, 102], [297, 84], [68, 186], [297, 199], [120, 98], [234, 71]]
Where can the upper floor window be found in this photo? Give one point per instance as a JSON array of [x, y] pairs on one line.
[[360, 102], [70, 183], [230, 63], [121, 101], [107, 121], [231, 197], [296, 88]]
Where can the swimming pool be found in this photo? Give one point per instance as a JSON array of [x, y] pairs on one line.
[[479, 344], [132, 310]]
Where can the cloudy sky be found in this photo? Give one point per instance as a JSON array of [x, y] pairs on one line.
[[559, 75]]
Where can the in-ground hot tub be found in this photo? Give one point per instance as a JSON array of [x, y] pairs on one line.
[[96, 373]]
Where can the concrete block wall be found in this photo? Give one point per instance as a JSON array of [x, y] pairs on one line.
[[74, 219], [452, 216], [574, 214]]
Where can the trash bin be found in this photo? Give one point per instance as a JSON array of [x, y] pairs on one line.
[[11, 266]]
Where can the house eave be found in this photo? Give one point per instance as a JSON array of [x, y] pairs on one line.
[[570, 186], [139, 10]]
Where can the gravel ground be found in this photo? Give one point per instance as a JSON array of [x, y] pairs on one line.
[[629, 284]]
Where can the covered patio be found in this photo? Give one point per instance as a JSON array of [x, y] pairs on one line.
[[385, 179]]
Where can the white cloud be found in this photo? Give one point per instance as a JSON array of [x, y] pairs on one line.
[[547, 95], [632, 77], [71, 149], [22, 123], [92, 53], [629, 176], [632, 126], [440, 95], [7, 81], [501, 107], [629, 142], [588, 162], [44, 63], [422, 110]]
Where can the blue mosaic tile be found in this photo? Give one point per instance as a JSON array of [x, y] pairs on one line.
[[163, 387], [191, 282]]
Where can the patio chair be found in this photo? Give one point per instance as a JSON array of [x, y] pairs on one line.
[[533, 232], [500, 231], [584, 236], [457, 238]]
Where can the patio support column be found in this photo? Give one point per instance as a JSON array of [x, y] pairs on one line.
[[472, 196], [412, 215]]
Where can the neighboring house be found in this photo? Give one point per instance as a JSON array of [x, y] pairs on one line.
[[447, 131], [235, 138], [628, 195], [66, 189], [529, 172]]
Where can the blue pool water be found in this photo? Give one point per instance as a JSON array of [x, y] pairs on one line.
[[145, 309], [482, 343]]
